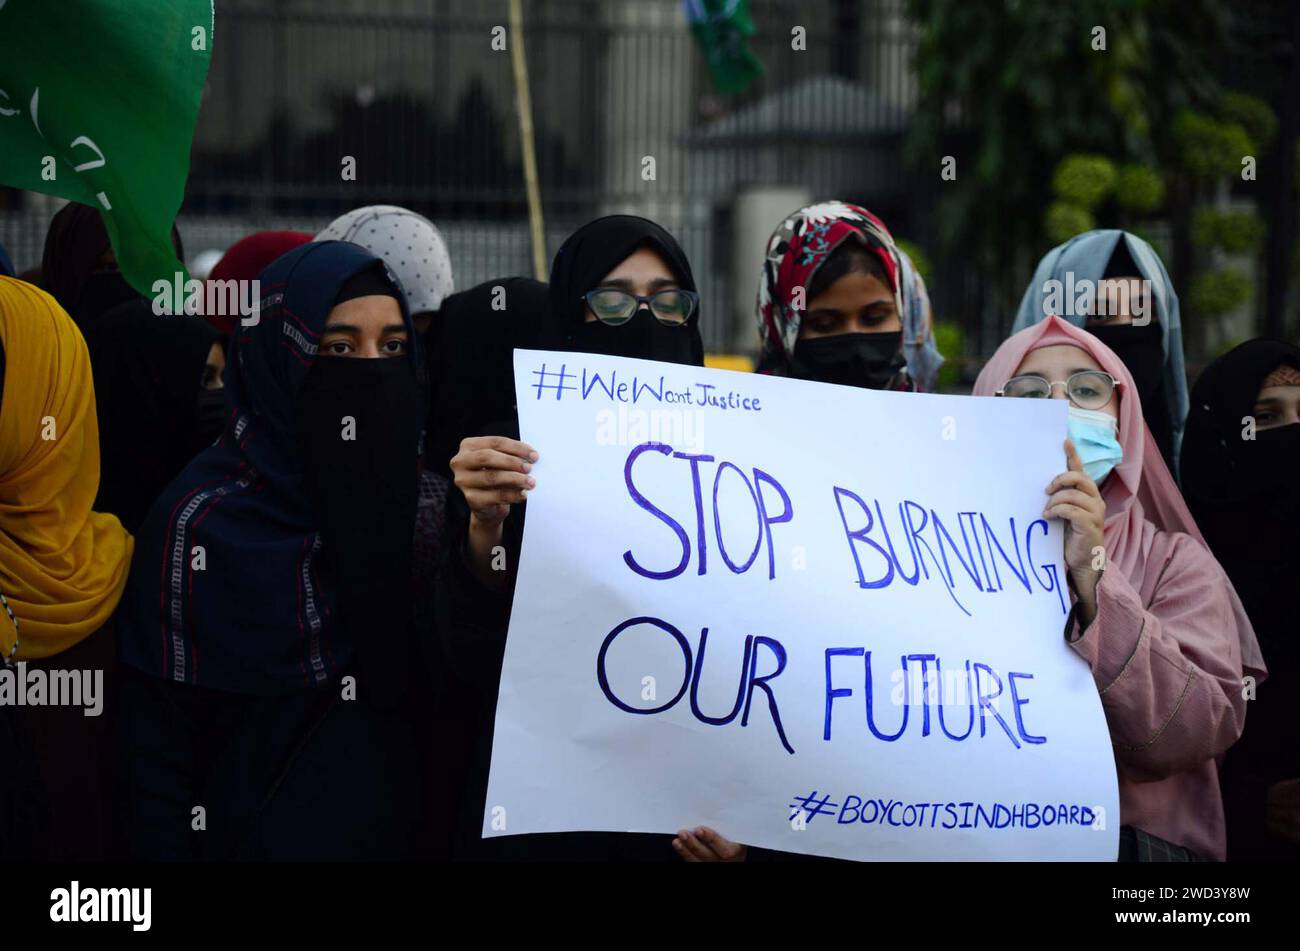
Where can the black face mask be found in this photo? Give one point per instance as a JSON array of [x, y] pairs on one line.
[[101, 293], [870, 361], [358, 424], [210, 417], [1269, 466], [1254, 536], [642, 337], [1142, 351], [1262, 522]]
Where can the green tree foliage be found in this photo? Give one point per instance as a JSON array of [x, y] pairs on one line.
[[1084, 180], [1011, 88], [951, 341], [1252, 114], [1139, 189], [1208, 148], [1215, 293], [1065, 219], [920, 260], [1236, 232]]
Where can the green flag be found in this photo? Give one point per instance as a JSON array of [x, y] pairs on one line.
[[721, 27], [98, 100]]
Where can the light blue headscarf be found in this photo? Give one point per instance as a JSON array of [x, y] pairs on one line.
[[1086, 255], [923, 357]]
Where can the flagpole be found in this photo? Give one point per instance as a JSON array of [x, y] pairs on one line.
[[525, 110]]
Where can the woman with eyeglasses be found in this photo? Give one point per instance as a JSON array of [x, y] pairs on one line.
[[621, 286], [839, 302], [1154, 615]]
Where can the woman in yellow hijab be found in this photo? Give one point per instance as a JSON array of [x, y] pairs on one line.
[[62, 570], [62, 566]]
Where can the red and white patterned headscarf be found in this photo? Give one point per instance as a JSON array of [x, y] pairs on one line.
[[801, 244]]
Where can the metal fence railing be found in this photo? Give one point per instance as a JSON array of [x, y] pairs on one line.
[[414, 92]]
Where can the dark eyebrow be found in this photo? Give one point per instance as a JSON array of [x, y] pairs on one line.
[[824, 310], [1269, 401], [624, 284], [354, 329]]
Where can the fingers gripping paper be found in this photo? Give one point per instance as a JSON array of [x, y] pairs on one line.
[[817, 619]]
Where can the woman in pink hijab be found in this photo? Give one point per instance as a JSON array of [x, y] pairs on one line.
[[1154, 615]]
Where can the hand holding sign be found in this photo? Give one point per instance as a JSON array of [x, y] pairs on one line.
[[705, 845], [492, 473], [1075, 497]]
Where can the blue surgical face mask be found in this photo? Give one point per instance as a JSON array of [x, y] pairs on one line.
[[1094, 436]]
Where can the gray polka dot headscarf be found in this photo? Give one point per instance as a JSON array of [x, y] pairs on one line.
[[410, 245]]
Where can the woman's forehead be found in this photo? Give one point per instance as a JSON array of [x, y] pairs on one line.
[[372, 308], [1285, 393], [857, 286], [644, 262], [1061, 355]]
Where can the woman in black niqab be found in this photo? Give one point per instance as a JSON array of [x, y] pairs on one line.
[[471, 356], [1242, 484], [157, 399]]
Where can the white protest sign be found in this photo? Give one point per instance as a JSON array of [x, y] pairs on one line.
[[817, 619]]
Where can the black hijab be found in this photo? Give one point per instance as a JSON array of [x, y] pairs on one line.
[[148, 369], [1245, 496], [73, 247], [148, 383], [1244, 492], [585, 258], [70, 270], [471, 356]]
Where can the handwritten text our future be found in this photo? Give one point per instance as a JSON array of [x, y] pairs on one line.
[[592, 384]]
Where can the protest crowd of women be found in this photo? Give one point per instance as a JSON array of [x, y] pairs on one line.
[[302, 635]]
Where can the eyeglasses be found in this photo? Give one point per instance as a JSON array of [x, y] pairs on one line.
[[613, 306], [1087, 389]]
